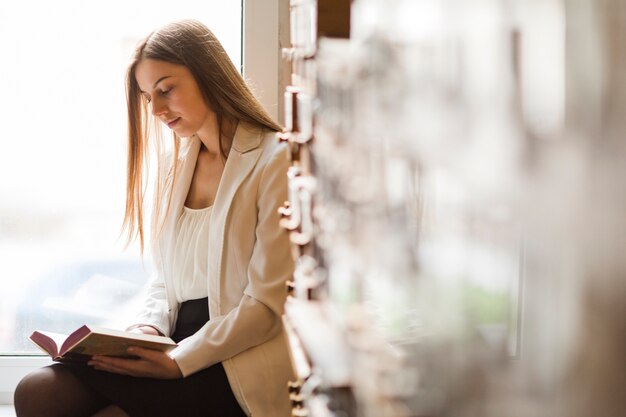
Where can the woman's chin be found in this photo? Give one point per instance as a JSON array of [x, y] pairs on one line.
[[183, 133]]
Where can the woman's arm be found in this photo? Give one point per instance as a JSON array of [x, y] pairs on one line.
[[155, 310]]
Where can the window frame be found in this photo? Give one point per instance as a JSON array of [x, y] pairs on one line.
[[261, 57]]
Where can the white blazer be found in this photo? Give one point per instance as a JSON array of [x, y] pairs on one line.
[[249, 263]]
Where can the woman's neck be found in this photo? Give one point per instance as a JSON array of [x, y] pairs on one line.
[[210, 132]]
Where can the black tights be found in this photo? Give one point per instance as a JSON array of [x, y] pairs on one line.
[[54, 391]]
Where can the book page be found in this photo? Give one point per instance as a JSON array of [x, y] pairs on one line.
[[130, 335], [57, 337]]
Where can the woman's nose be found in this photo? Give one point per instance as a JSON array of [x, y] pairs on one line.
[[158, 107]]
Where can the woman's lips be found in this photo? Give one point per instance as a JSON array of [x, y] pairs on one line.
[[172, 123]]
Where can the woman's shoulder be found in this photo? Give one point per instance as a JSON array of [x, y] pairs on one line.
[[250, 137], [275, 151]]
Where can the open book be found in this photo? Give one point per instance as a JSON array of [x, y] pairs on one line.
[[87, 341]]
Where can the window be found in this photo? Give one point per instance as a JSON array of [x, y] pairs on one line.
[[62, 160]]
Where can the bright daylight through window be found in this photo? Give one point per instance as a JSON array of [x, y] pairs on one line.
[[62, 158]]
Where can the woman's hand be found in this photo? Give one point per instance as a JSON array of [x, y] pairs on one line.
[[151, 364], [145, 330]]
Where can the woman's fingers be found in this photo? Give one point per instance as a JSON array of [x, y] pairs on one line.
[[165, 366], [147, 354], [108, 366], [151, 363]]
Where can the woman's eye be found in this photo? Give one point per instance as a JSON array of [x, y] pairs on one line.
[[166, 92]]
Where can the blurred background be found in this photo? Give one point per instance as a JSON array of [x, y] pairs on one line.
[[458, 194]]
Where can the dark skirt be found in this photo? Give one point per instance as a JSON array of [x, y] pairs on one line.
[[205, 393]]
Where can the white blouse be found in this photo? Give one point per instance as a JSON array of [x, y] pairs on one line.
[[191, 254]]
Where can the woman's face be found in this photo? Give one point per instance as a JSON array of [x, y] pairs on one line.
[[174, 96]]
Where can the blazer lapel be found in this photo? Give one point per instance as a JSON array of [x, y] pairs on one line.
[[243, 157]]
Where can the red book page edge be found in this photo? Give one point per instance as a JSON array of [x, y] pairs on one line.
[[45, 343], [74, 338]]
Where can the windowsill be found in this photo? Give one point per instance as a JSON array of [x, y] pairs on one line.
[[7, 411], [13, 369]]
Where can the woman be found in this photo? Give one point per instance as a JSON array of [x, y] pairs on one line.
[[220, 256]]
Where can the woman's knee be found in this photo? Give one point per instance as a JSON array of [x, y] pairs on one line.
[[53, 391], [32, 391], [34, 383]]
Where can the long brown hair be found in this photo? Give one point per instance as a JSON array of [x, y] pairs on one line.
[[192, 44]]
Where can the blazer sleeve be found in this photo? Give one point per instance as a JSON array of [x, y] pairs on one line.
[[155, 310], [257, 318]]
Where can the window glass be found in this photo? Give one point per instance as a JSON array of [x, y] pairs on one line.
[[62, 158]]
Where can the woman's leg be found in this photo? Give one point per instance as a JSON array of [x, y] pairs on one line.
[[111, 411], [54, 391]]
